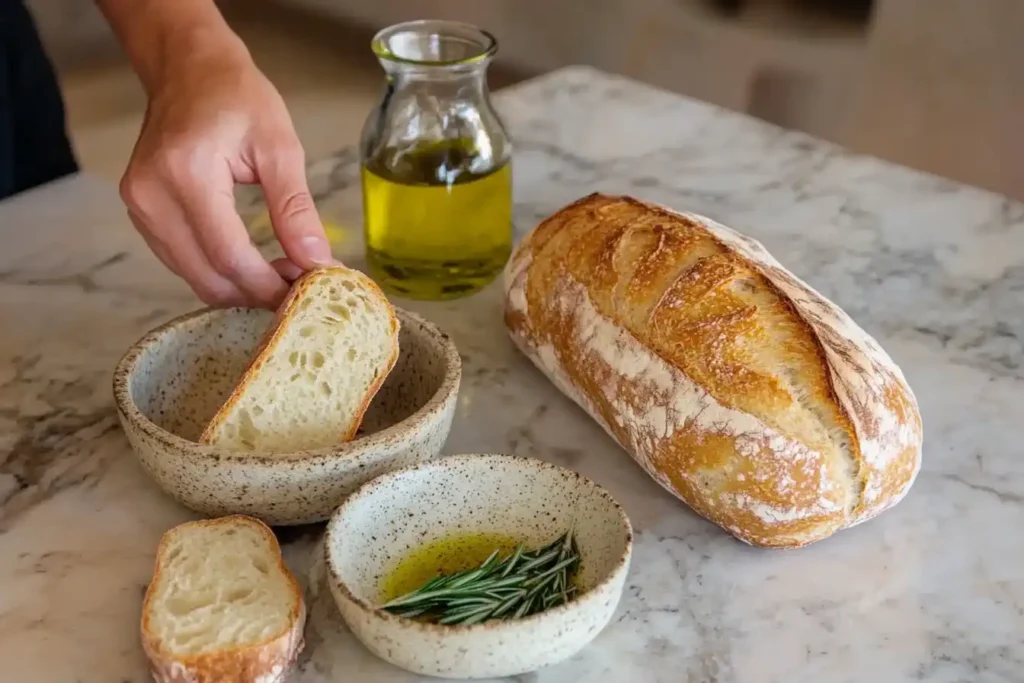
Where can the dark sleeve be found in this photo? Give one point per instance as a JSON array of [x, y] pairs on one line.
[[34, 145]]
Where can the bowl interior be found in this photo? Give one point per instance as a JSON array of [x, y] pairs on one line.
[[187, 370], [528, 500]]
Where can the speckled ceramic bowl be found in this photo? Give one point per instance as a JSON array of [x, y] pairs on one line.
[[169, 384], [388, 518]]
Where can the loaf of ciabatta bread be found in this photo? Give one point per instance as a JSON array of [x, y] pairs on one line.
[[735, 385], [333, 342], [222, 606]]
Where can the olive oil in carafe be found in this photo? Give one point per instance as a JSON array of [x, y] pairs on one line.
[[437, 224]]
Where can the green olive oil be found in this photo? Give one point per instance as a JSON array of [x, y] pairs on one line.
[[438, 223], [444, 556]]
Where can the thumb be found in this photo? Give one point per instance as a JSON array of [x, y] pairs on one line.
[[292, 211]]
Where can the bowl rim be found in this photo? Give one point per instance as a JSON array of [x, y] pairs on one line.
[[360, 446], [332, 531]]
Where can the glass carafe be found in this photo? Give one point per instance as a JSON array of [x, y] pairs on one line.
[[436, 166]]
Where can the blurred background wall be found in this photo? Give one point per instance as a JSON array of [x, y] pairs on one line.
[[933, 84]]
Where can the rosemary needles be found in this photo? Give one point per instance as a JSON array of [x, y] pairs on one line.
[[519, 585]]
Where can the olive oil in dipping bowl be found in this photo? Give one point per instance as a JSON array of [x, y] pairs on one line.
[[450, 513]]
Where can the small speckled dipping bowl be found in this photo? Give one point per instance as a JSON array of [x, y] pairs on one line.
[[388, 518], [170, 383]]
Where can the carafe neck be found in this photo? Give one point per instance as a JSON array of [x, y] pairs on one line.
[[439, 80]]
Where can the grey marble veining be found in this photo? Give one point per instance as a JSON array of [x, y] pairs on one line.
[[932, 590]]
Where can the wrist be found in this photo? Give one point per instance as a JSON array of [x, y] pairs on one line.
[[198, 51], [167, 39]]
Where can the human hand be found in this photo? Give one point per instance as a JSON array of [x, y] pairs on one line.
[[214, 120]]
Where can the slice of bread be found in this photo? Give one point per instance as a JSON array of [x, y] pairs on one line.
[[222, 606], [332, 344]]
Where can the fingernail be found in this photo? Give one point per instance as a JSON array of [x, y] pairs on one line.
[[318, 250]]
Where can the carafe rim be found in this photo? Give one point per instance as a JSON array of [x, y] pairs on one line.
[[484, 41]]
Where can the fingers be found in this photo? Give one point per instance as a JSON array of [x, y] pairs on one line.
[[281, 170], [286, 269], [200, 246], [179, 189], [159, 249], [221, 234]]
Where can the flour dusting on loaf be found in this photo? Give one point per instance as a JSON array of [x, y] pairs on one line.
[[862, 374], [734, 385]]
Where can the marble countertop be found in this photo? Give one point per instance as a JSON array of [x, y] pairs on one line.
[[931, 590]]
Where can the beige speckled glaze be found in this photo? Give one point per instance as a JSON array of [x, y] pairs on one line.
[[169, 384], [389, 517]]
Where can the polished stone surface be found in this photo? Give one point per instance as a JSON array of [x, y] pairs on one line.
[[931, 590]]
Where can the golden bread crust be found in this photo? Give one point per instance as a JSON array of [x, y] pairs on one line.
[[736, 386]]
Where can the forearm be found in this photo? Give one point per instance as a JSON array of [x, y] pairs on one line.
[[162, 35]]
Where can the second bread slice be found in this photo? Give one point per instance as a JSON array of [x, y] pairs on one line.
[[332, 344], [222, 606]]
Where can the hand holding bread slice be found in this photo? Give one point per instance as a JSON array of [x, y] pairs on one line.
[[222, 606], [332, 343]]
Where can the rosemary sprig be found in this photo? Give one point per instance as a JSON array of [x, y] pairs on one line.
[[517, 586]]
